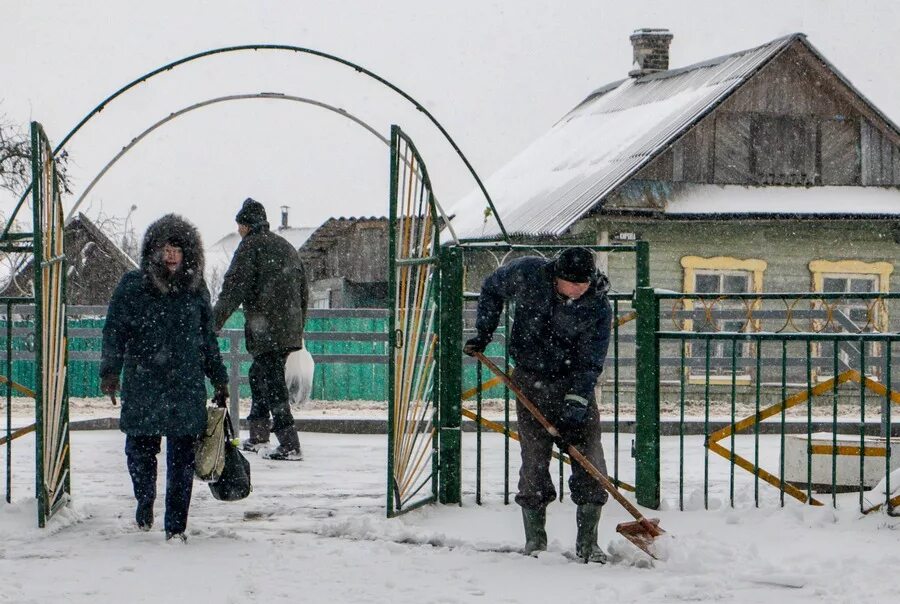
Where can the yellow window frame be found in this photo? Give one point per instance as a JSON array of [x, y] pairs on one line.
[[691, 265], [819, 269]]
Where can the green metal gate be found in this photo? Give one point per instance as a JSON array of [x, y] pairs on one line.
[[45, 246], [412, 331], [51, 397]]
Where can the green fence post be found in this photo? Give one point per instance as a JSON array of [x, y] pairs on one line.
[[647, 398], [642, 264], [450, 388]]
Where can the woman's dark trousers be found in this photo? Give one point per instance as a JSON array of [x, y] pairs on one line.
[[141, 452]]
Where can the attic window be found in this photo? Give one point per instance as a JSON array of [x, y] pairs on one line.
[[783, 150]]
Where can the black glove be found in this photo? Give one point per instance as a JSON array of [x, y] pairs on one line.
[[476, 344], [109, 385], [220, 395], [574, 411]]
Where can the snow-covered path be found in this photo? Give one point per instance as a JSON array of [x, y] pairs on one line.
[[315, 531]]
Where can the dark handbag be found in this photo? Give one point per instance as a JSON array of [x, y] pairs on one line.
[[234, 483]]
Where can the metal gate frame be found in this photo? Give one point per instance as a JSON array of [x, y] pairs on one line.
[[47, 247], [413, 283]]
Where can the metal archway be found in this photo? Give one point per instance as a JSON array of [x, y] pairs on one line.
[[239, 97], [277, 47]]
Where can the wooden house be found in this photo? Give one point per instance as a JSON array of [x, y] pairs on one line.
[[765, 170], [346, 263], [94, 263]]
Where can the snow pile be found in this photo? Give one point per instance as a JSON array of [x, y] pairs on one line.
[[316, 531]]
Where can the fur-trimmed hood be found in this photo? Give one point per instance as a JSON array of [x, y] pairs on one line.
[[177, 231]]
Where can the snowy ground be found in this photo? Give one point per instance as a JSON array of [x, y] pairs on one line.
[[315, 531]]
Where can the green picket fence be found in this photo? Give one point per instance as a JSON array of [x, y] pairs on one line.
[[333, 336], [349, 345]]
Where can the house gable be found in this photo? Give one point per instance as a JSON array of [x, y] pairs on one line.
[[627, 144], [351, 248], [797, 121]]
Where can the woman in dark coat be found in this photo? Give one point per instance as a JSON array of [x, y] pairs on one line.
[[159, 331]]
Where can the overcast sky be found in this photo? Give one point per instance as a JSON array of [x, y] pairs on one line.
[[495, 74]]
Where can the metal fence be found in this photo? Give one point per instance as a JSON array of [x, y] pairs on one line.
[[348, 345], [790, 390], [478, 390], [793, 391]]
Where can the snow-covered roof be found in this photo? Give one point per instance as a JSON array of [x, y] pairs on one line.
[[102, 238], [736, 200], [220, 253], [605, 141]]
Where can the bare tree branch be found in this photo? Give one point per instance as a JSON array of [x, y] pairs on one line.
[[15, 159]]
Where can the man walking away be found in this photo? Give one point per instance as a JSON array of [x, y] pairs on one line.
[[266, 276]]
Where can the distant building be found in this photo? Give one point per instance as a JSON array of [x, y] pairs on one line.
[[346, 263], [95, 263]]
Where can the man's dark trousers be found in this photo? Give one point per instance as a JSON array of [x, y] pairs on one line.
[[268, 390], [141, 452], [536, 488]]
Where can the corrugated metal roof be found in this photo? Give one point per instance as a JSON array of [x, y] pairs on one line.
[[601, 143]]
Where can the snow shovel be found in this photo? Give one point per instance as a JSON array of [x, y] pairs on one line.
[[642, 531]]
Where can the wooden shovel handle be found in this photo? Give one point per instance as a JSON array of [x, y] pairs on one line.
[[572, 451]]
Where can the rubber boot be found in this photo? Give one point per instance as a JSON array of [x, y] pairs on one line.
[[288, 448], [535, 533], [588, 517], [259, 435]]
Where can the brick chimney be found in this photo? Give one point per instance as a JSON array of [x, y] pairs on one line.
[[651, 51]]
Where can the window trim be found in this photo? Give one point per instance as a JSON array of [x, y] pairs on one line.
[[819, 269], [690, 265]]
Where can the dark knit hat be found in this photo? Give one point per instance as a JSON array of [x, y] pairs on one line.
[[252, 213], [575, 264]]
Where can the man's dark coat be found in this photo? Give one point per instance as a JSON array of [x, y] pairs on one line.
[[266, 276], [556, 339]]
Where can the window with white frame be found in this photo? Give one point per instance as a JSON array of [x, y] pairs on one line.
[[851, 312], [321, 299]]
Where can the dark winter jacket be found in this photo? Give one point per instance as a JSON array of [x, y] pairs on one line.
[[551, 337], [159, 329], [266, 276]]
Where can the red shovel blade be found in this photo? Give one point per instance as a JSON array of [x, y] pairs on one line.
[[642, 534]]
